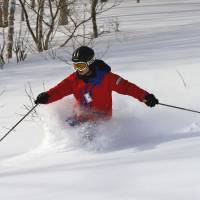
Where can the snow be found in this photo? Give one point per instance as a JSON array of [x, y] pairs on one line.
[[142, 153]]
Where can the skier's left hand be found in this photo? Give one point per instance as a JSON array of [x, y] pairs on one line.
[[150, 100]]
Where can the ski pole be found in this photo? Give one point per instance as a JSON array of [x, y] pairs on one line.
[[162, 104], [19, 121]]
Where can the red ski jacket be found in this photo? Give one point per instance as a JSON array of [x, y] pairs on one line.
[[94, 98]]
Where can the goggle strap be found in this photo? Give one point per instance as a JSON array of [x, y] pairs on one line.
[[91, 61]]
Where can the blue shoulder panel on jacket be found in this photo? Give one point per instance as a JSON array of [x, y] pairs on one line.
[[101, 69]]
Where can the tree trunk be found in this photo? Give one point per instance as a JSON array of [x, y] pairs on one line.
[[22, 12], [32, 4], [64, 12], [5, 13], [93, 16], [138, 1], [11, 19], [39, 28], [1, 15]]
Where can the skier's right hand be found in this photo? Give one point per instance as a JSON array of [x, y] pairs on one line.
[[42, 98], [150, 100]]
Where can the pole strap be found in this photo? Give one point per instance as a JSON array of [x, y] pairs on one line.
[[180, 108], [19, 121]]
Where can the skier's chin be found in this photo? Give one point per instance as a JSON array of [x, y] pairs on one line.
[[85, 72]]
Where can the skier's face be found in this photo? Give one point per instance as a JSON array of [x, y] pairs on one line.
[[82, 68]]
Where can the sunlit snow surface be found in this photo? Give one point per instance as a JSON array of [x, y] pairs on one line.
[[141, 153]]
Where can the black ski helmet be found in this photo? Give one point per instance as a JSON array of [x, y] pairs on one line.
[[83, 54]]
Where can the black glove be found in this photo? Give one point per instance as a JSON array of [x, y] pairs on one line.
[[150, 100], [42, 98]]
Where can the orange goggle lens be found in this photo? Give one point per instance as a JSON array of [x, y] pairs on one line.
[[80, 66]]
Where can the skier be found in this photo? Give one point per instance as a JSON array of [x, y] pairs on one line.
[[92, 84]]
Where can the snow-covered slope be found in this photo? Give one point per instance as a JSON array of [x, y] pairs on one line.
[[142, 153]]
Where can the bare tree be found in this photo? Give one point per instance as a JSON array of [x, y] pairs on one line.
[[79, 18], [5, 12], [39, 26], [21, 45], [20, 50], [64, 12], [2, 60], [94, 4], [32, 4], [97, 8], [1, 14], [30, 96], [2, 49], [22, 13], [43, 21], [45, 27], [10, 28], [138, 1]]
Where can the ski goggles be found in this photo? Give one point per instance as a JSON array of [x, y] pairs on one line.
[[81, 66]]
